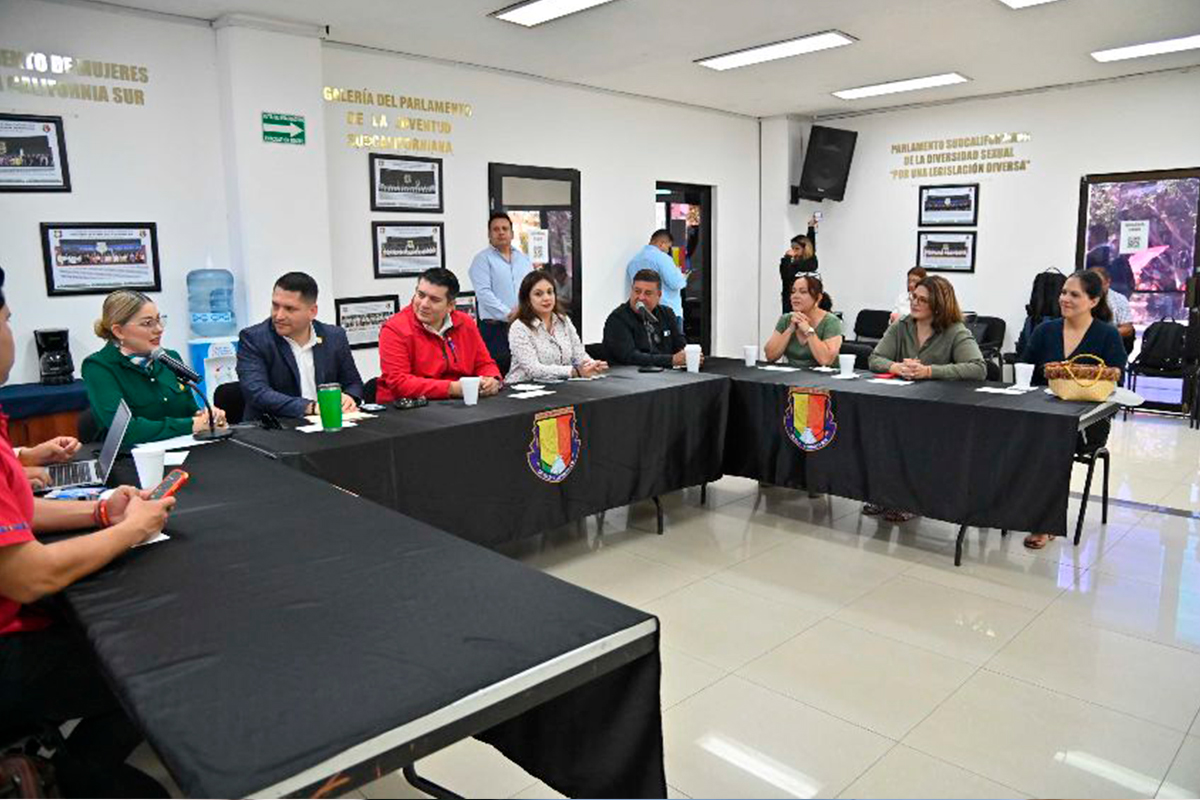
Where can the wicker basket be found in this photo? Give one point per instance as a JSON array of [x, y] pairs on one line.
[[1089, 382]]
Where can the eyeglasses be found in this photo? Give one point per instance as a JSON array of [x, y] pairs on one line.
[[918, 300], [151, 323]]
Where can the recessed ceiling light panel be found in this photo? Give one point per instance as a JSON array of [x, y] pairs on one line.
[[910, 85], [1148, 49], [1025, 3], [770, 52], [535, 12]]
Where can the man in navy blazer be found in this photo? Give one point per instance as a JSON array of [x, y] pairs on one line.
[[282, 360]]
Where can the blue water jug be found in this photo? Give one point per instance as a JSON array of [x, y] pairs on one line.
[[210, 302]]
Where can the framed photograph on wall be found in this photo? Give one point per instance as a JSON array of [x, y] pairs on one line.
[[362, 317], [406, 249], [946, 251], [949, 205], [33, 154], [406, 183], [97, 257], [467, 304]]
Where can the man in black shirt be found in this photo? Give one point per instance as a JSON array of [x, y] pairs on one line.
[[643, 332]]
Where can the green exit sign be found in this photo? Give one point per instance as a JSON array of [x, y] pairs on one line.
[[282, 128]]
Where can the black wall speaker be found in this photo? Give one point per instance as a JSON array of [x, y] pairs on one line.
[[827, 163]]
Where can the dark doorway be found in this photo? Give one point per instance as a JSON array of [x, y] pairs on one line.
[[544, 198], [686, 211]]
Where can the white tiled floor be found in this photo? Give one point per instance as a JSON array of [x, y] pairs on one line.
[[810, 651]]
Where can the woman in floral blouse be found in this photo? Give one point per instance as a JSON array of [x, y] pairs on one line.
[[543, 341]]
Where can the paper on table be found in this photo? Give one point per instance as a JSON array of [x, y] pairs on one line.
[[316, 428], [840, 377], [528, 387], [890, 381], [527, 395], [1001, 390], [772, 368], [347, 416], [823, 369], [175, 458], [155, 539], [174, 443], [593, 378]]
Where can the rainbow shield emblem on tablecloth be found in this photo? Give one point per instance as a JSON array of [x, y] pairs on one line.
[[808, 419], [554, 449]]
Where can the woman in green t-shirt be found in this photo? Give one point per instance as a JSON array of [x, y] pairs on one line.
[[811, 334]]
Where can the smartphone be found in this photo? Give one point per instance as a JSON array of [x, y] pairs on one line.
[[171, 484], [817, 215]]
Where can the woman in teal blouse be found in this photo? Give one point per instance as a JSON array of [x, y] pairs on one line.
[[161, 405], [811, 334]]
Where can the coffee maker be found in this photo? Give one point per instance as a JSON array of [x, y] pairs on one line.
[[54, 356]]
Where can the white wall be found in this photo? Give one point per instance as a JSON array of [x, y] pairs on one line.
[[1027, 220], [621, 146], [161, 162]]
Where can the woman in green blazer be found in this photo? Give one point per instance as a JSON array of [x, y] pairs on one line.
[[162, 406]]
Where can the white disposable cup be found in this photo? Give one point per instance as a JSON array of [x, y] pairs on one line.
[[846, 362], [1023, 374], [691, 354], [149, 465], [470, 390], [750, 353]]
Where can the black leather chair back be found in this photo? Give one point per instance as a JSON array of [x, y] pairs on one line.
[[87, 430], [229, 398], [871, 323]]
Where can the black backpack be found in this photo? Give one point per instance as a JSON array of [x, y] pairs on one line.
[[1043, 299], [1163, 345]]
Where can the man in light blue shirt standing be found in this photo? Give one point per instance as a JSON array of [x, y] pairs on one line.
[[656, 256], [496, 273]]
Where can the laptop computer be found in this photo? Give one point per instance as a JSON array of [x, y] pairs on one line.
[[94, 472]]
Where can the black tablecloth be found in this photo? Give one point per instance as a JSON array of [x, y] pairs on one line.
[[467, 470], [938, 448], [21, 400], [285, 621]]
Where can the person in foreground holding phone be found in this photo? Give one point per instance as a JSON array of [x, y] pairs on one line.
[[542, 338], [643, 331], [931, 342], [812, 333], [1085, 327], [162, 406], [47, 671], [425, 348]]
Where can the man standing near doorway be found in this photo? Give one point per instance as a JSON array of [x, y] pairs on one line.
[[496, 273], [656, 257]]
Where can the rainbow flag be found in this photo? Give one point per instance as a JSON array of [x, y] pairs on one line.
[[554, 443], [808, 412]]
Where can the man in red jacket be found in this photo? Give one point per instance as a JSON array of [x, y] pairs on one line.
[[427, 347]]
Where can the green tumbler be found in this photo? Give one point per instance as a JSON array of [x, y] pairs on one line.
[[329, 400]]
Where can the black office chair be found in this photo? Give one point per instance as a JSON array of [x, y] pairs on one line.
[[869, 327], [989, 335], [370, 390], [597, 351], [229, 398], [87, 430]]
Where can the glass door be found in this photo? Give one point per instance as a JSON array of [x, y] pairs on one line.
[[686, 211]]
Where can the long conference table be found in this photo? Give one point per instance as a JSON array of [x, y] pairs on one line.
[[292, 638]]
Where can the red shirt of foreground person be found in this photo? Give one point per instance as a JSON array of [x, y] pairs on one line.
[[428, 346]]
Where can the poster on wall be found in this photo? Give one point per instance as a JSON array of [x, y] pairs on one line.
[[949, 205], [406, 249], [362, 317], [539, 246], [406, 183], [33, 154], [946, 251], [97, 257]]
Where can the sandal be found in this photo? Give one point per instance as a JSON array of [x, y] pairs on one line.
[[895, 515], [872, 510], [1036, 541]]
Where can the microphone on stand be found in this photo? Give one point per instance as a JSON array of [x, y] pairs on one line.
[[650, 323], [190, 377]]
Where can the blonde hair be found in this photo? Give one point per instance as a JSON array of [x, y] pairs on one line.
[[119, 308]]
